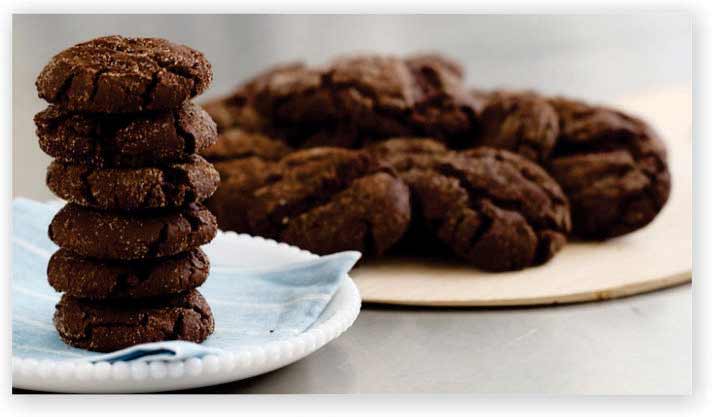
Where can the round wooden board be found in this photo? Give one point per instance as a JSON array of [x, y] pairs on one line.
[[657, 256]]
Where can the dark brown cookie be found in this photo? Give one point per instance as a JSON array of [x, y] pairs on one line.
[[434, 58], [304, 179], [237, 110], [126, 140], [134, 188], [236, 143], [405, 153], [244, 161], [234, 112], [114, 74], [321, 199], [97, 279], [370, 216], [382, 96], [612, 166], [325, 198], [126, 236], [107, 326], [229, 116], [495, 209], [239, 179], [521, 122], [341, 134]]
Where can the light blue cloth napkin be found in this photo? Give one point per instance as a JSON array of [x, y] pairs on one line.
[[251, 306]]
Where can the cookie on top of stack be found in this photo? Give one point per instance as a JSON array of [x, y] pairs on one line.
[[500, 179], [125, 139]]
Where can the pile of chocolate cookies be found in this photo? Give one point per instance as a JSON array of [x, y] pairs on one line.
[[388, 154], [125, 139]]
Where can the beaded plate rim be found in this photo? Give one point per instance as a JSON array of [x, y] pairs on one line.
[[155, 376]]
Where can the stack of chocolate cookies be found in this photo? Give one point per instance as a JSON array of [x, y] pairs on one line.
[[125, 139], [499, 179]]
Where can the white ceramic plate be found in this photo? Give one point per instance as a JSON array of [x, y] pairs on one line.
[[121, 377]]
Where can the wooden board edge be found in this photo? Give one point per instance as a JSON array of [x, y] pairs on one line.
[[627, 290]]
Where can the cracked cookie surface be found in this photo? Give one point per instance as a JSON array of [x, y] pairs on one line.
[[96, 279], [520, 122], [404, 154], [107, 326], [237, 112], [612, 166], [114, 74], [127, 189], [321, 199], [492, 208], [239, 178], [245, 160], [367, 96], [370, 215], [234, 111], [127, 140], [236, 144], [127, 236]]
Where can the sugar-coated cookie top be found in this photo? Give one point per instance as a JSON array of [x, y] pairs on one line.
[[115, 74]]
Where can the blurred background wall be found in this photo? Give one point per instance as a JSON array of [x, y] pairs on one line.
[[594, 57]]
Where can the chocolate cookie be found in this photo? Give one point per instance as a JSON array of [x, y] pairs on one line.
[[433, 58], [320, 199], [112, 325], [521, 122], [234, 112], [239, 179], [304, 179], [493, 208], [97, 279], [130, 189], [612, 166], [229, 115], [126, 140], [114, 74], [244, 161], [382, 96], [237, 110], [370, 216], [404, 154], [236, 143], [126, 236]]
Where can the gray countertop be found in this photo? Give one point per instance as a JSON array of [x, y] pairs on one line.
[[636, 345]]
